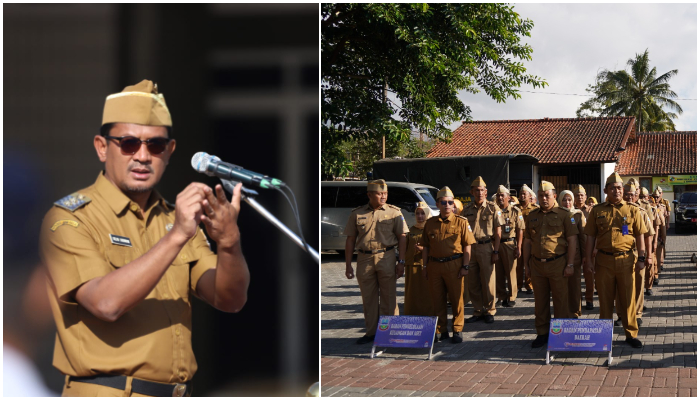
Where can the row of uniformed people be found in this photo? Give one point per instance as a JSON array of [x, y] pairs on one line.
[[442, 251]]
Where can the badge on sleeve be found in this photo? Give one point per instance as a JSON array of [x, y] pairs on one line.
[[573, 222], [520, 217], [120, 240], [55, 226]]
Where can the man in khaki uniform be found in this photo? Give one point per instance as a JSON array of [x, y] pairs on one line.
[[657, 222], [550, 234], [446, 252], [615, 228], [123, 263], [580, 197], [375, 230], [485, 220], [664, 205], [511, 245], [659, 251], [526, 204]]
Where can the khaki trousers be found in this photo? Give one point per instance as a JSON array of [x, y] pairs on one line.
[[650, 272], [574, 289], [83, 389], [520, 275], [615, 283], [481, 281], [589, 279], [506, 272], [443, 280], [549, 278], [376, 275], [660, 254]]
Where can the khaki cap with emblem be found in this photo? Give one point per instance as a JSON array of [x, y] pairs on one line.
[[613, 178], [137, 104], [502, 189], [445, 192], [377, 185], [527, 189], [579, 189], [478, 182], [545, 185], [426, 209]]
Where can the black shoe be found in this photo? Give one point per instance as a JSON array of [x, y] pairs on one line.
[[365, 339], [589, 305], [639, 322], [456, 337], [618, 322], [648, 292], [443, 336], [595, 292], [540, 341], [661, 267], [529, 291], [506, 303], [644, 308], [474, 319], [634, 342], [656, 281], [488, 319]]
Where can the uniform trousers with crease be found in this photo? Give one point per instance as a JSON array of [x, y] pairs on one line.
[[481, 280], [376, 275], [444, 281], [548, 277], [650, 272], [589, 279], [615, 283], [506, 272], [574, 288]]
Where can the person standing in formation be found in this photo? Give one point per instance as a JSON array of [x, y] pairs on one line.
[[485, 220], [511, 245], [566, 202], [661, 211], [526, 203], [376, 229], [656, 220], [550, 234], [417, 300], [447, 241]]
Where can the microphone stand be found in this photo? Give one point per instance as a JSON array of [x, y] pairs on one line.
[[246, 195]]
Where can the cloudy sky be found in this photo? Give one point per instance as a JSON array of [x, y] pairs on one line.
[[571, 42]]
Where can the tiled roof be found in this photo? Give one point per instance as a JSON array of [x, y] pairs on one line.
[[551, 140], [660, 153]]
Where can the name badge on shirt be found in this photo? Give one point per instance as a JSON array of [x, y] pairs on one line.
[[625, 227], [120, 240]]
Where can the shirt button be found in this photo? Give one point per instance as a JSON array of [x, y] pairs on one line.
[[184, 257], [177, 331], [134, 207]]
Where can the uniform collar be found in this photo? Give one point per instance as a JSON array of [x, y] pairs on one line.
[[118, 201], [369, 207], [450, 218]]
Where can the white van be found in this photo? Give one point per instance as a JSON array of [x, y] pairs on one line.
[[339, 198]]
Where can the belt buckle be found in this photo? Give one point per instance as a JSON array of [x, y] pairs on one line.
[[543, 259], [179, 390]]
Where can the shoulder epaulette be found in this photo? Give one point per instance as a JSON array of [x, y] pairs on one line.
[[464, 218], [598, 205], [356, 208], [634, 204], [394, 207], [73, 201]]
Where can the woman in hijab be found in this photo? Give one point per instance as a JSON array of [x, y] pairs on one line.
[[566, 202], [591, 201], [417, 300]]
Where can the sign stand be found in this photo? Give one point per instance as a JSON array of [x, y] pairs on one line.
[[405, 331], [580, 335]]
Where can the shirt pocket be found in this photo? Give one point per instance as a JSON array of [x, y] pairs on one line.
[[362, 223], [602, 222], [120, 256], [386, 225], [178, 275]]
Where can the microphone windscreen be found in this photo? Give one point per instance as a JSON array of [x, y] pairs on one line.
[[201, 160]]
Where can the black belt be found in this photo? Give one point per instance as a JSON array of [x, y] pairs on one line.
[[484, 241], [507, 240], [139, 386], [445, 259], [376, 251], [544, 260], [619, 253]]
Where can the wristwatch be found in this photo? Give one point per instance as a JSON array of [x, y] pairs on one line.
[[569, 265], [495, 252], [641, 258], [402, 261], [465, 267]]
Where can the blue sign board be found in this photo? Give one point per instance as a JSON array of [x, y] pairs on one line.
[[580, 335], [405, 331]]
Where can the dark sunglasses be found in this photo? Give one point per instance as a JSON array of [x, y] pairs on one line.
[[131, 145], [446, 202]]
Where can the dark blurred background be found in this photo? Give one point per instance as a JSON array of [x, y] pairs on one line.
[[241, 82]]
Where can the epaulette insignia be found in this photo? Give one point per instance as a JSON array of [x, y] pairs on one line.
[[356, 208], [73, 201], [394, 207], [459, 216]]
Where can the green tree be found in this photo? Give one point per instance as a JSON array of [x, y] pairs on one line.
[[410, 61], [363, 152], [637, 92]]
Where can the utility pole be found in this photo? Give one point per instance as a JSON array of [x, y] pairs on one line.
[[386, 88]]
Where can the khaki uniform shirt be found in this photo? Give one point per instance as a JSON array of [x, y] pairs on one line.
[[445, 238], [668, 207], [483, 219], [606, 225], [153, 340], [585, 210], [513, 219], [374, 230], [526, 210], [649, 217], [661, 209], [548, 231]]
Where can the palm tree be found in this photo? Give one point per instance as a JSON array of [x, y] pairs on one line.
[[640, 94]]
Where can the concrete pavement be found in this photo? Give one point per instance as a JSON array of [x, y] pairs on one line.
[[496, 359]]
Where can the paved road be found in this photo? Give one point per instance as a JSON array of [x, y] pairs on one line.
[[497, 359]]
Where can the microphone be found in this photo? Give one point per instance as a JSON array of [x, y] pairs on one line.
[[213, 166]]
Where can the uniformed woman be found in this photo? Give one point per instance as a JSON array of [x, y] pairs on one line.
[[417, 300]]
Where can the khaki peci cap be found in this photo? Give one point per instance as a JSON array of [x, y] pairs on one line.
[[478, 182], [137, 104], [527, 189], [502, 189], [579, 189], [630, 187], [545, 185], [613, 178], [633, 180], [378, 185], [426, 209], [645, 191], [445, 192]]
